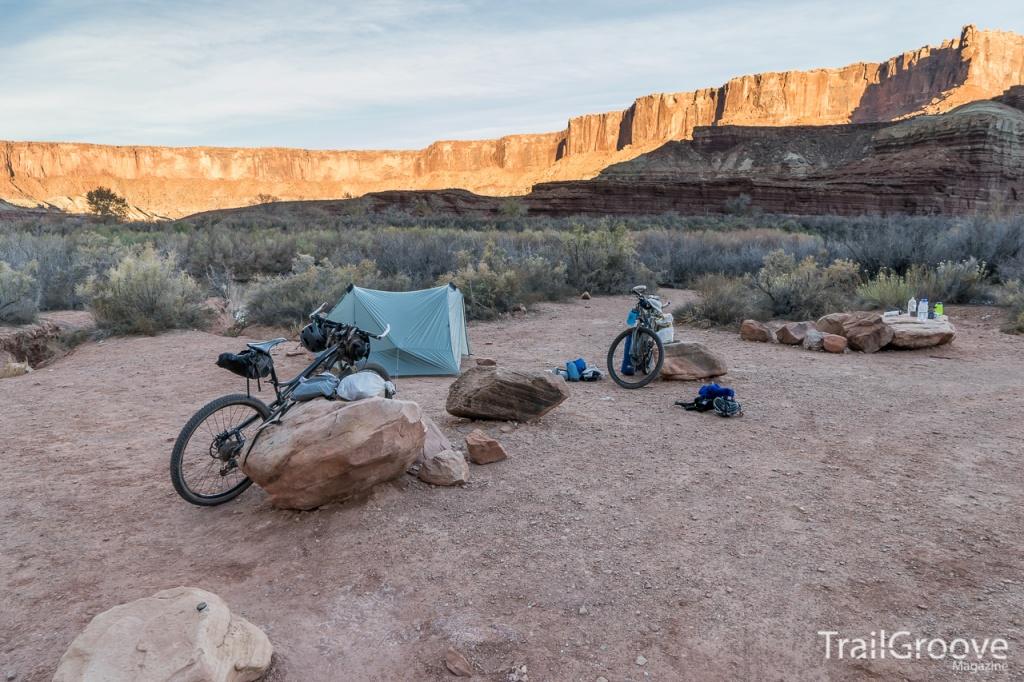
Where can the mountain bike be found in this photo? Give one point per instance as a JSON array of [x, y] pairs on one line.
[[205, 459], [636, 355]]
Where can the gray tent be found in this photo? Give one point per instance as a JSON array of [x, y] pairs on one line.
[[428, 327]]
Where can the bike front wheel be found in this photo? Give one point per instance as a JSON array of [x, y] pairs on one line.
[[635, 357], [205, 459]]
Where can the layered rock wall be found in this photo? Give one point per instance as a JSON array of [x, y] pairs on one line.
[[170, 182]]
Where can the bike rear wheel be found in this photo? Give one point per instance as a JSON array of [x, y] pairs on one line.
[[205, 458], [638, 350]]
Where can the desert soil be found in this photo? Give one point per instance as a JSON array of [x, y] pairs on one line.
[[858, 492]]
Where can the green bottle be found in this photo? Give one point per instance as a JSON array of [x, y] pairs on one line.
[[939, 309]]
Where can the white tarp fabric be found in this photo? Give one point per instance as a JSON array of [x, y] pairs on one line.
[[428, 328]]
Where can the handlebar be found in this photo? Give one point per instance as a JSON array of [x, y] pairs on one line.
[[318, 316]]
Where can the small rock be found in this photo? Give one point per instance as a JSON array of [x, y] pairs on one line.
[[793, 333], [483, 449], [585, 295], [583, 611], [833, 343], [813, 340], [601, 678], [640, 660], [486, 362], [457, 664], [447, 467], [752, 330]]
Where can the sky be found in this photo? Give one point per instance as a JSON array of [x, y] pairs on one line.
[[399, 74]]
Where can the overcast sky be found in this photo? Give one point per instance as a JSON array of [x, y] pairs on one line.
[[400, 74]]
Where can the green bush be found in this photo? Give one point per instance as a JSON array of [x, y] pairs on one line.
[[287, 300], [19, 294], [496, 283], [1012, 296], [805, 290], [948, 282], [887, 290], [724, 301], [145, 294], [604, 261]]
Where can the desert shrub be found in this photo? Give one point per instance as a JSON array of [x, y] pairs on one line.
[[61, 262], [738, 205], [496, 284], [679, 258], [488, 292], [949, 282], [604, 261], [19, 294], [1012, 296], [287, 300], [804, 289], [724, 301], [244, 253], [886, 290], [145, 293]]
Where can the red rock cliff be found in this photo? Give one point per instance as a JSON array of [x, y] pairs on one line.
[[165, 181]]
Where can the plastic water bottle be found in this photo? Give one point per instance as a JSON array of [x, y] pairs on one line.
[[922, 310], [912, 306], [940, 310]]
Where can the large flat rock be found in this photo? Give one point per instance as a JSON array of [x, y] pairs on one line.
[[910, 333]]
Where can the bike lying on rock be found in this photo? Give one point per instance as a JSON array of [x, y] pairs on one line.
[[636, 355], [205, 459]]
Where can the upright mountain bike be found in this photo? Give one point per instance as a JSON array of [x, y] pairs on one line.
[[636, 355], [205, 459]]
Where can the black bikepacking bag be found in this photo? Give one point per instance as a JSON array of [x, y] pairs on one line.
[[250, 364]]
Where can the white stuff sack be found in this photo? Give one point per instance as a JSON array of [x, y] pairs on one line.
[[665, 328], [365, 384]]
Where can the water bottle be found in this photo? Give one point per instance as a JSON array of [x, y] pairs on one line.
[[912, 306], [940, 310], [922, 310]]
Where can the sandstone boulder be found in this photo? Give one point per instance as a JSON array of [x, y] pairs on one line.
[[691, 362], [864, 331], [909, 333], [483, 449], [447, 467], [793, 333], [504, 394], [179, 634], [325, 450], [833, 343], [752, 330], [813, 340]]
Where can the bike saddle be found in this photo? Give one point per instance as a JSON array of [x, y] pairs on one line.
[[265, 346], [639, 289]]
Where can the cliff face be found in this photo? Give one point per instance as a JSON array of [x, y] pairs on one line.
[[963, 161], [171, 182]]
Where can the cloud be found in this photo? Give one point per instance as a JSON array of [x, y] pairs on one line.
[[399, 73]]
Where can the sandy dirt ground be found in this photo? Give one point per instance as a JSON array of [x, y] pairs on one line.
[[859, 492]]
